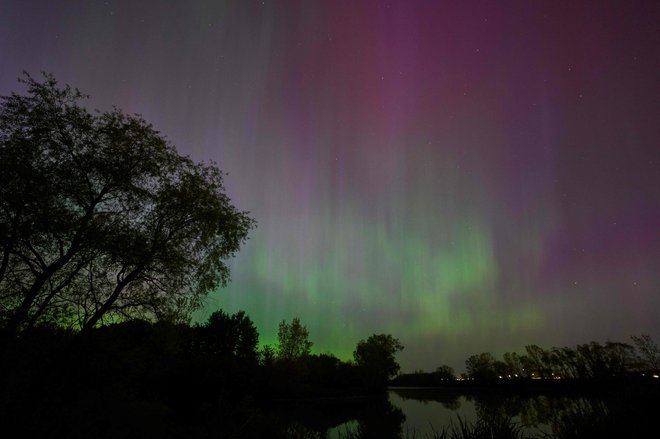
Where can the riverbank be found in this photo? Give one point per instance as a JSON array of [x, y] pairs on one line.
[[640, 384]]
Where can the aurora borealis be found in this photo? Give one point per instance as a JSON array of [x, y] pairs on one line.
[[467, 176]]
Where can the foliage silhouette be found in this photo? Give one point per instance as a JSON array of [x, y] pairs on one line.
[[101, 219], [175, 380], [376, 357], [293, 340], [481, 366], [225, 335], [648, 352], [445, 372], [586, 362]]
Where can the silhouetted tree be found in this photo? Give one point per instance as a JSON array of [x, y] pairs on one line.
[[377, 357], [566, 363], [445, 372], [322, 371], [514, 365], [228, 335], [537, 361], [481, 366], [648, 352], [293, 340], [101, 218], [620, 357], [267, 356], [592, 360]]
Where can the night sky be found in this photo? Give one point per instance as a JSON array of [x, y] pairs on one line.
[[467, 176]]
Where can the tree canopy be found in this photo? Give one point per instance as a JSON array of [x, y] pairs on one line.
[[445, 372], [228, 335], [101, 219], [293, 340], [377, 356], [481, 366]]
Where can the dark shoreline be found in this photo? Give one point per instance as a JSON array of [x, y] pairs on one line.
[[638, 386]]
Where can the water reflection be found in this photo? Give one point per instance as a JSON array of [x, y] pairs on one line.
[[373, 417], [548, 416], [429, 413]]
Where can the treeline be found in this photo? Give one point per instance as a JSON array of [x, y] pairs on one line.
[[588, 361], [584, 362], [177, 376], [221, 355]]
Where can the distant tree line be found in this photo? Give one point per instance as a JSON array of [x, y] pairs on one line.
[[588, 361]]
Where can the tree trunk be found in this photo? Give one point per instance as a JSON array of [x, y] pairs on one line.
[[76, 243], [53, 293], [24, 308], [89, 324]]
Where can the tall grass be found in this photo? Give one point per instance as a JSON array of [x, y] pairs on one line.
[[461, 429], [504, 428]]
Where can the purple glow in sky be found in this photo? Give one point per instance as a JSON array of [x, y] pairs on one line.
[[467, 176]]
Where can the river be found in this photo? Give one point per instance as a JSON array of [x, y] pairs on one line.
[[426, 413]]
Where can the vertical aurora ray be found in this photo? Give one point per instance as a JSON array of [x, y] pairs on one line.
[[467, 176]]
